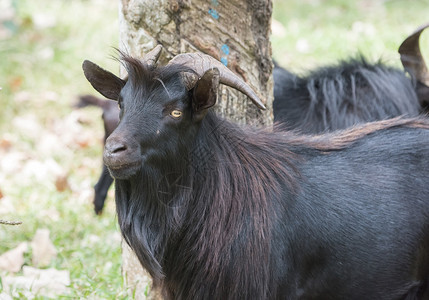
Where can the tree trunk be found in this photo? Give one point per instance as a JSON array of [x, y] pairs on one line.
[[236, 32]]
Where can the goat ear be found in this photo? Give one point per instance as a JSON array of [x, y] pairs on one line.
[[106, 83], [205, 93]]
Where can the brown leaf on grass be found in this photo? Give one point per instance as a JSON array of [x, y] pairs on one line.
[[5, 144], [13, 260], [15, 83], [61, 183], [43, 249], [82, 142]]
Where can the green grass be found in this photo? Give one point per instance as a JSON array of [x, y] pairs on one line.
[[42, 137], [318, 32], [40, 76]]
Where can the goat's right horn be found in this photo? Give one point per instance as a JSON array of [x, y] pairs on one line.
[[200, 63], [152, 56], [412, 58]]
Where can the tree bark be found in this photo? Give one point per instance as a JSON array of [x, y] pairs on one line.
[[236, 32]]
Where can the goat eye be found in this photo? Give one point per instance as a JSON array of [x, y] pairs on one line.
[[176, 113]]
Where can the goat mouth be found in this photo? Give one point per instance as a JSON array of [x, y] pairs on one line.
[[124, 170]]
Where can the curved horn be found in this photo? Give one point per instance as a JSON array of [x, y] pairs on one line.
[[412, 58], [152, 56], [200, 63]]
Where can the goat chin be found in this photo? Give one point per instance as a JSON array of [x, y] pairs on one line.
[[124, 171]]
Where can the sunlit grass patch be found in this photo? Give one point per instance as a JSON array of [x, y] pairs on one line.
[[316, 32], [43, 138]]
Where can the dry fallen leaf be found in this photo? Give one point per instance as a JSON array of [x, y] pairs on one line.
[[43, 250], [15, 83], [61, 183], [13, 260], [5, 144]]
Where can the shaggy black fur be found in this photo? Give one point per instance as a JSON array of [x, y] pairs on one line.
[[339, 96]]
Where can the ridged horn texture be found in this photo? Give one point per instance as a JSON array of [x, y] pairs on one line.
[[152, 56], [200, 63], [411, 56]]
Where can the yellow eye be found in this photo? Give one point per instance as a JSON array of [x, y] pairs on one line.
[[176, 113]]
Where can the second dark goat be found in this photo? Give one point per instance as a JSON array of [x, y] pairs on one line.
[[352, 92], [110, 118], [218, 211]]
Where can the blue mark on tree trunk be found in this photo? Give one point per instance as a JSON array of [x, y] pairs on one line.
[[214, 13], [225, 49]]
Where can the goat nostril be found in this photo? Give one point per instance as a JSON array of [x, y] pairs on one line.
[[115, 147], [119, 148]]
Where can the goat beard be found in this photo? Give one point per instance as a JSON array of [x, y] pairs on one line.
[[145, 221]]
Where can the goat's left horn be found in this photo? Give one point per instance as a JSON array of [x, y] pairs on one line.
[[200, 63], [152, 56], [412, 58]]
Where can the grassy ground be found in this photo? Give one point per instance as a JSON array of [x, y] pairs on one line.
[[42, 139], [311, 33]]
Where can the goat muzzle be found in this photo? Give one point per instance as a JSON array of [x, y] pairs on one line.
[[121, 158]]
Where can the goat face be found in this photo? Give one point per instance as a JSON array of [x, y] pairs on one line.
[[161, 107], [159, 114]]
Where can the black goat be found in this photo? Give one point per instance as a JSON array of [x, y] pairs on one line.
[[331, 98], [352, 92], [110, 121], [337, 97], [218, 211]]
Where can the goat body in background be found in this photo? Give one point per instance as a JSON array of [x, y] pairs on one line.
[[218, 211], [337, 97], [352, 92], [110, 118]]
